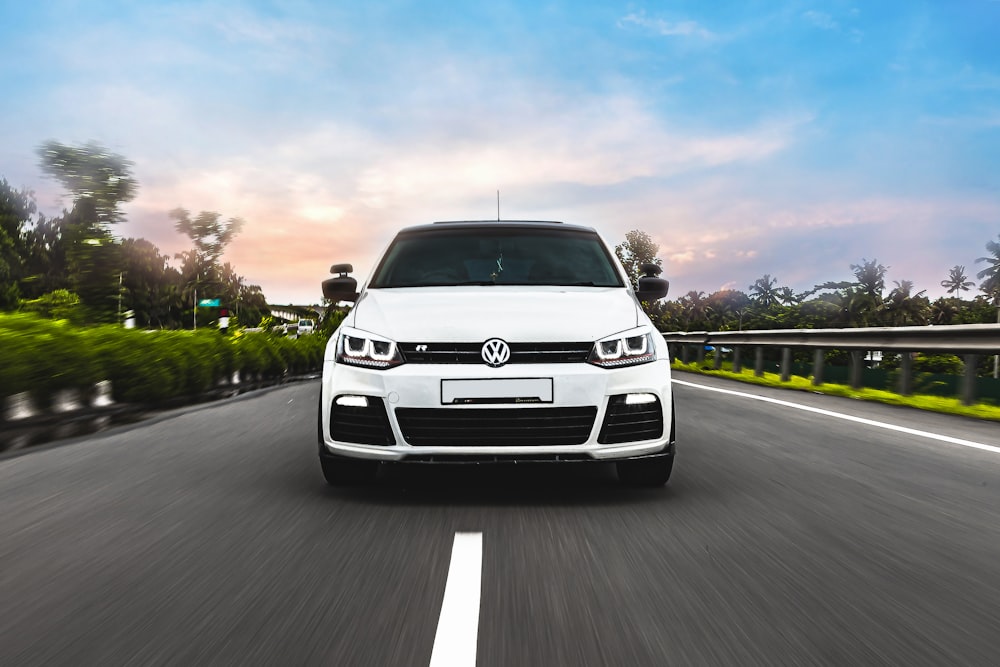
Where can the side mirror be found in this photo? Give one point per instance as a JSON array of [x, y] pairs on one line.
[[652, 288], [343, 287], [650, 269]]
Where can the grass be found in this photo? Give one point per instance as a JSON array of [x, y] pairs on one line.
[[951, 406]]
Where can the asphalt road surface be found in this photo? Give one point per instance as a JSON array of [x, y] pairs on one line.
[[785, 537]]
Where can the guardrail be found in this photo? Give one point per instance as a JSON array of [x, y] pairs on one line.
[[74, 412], [969, 340]]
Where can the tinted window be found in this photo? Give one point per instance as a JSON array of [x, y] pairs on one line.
[[493, 255]]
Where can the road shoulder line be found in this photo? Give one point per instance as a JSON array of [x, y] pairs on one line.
[[852, 418]]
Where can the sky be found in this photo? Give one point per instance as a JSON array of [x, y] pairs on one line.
[[786, 137]]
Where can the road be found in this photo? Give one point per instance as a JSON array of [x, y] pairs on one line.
[[785, 537]]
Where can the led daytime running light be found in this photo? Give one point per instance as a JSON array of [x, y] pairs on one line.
[[360, 350], [623, 350]]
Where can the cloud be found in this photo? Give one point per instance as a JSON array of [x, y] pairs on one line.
[[666, 28], [821, 20]]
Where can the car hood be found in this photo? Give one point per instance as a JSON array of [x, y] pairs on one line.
[[513, 313]]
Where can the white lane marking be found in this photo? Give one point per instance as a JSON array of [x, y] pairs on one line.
[[458, 626], [851, 418]]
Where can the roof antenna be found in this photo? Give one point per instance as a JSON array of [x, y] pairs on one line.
[[498, 206]]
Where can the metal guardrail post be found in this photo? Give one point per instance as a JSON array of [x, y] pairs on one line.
[[817, 367], [969, 379], [700, 356], [718, 358], [737, 362], [758, 368], [684, 354], [905, 373], [857, 357], [786, 364]]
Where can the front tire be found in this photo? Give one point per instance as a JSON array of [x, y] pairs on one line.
[[645, 472]]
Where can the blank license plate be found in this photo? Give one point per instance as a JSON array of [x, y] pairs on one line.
[[511, 390]]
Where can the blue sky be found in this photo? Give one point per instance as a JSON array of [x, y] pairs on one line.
[[792, 138]]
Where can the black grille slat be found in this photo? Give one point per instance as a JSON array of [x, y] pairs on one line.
[[496, 427], [631, 423], [364, 426], [520, 353]]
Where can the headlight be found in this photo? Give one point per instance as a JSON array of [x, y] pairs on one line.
[[629, 348], [360, 348]]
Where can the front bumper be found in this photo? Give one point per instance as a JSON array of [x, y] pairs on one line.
[[417, 388]]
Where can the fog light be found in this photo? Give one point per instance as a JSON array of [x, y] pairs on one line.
[[352, 401], [639, 399]]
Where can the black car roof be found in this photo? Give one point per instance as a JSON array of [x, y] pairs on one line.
[[506, 224]]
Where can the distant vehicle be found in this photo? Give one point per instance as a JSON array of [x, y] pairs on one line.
[[306, 327], [496, 341]]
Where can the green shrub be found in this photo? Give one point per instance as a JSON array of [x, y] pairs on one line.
[[44, 356]]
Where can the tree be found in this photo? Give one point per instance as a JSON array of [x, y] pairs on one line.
[[945, 310], [957, 281], [693, 310], [870, 276], [209, 232], [16, 209], [764, 292], [151, 287], [91, 172], [991, 274], [991, 287], [903, 308], [638, 249], [724, 309], [99, 182]]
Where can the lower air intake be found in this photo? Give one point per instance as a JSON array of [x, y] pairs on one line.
[[631, 423], [362, 425], [493, 427]]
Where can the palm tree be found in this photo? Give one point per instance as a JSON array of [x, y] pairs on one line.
[[763, 291], [871, 278], [944, 311], [787, 296], [694, 305], [957, 281], [991, 287], [991, 274], [903, 307]]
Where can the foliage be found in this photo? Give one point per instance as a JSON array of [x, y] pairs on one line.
[[763, 291], [208, 231], [90, 172], [638, 249], [957, 281], [938, 363], [991, 274], [59, 304], [16, 209], [332, 320], [43, 356]]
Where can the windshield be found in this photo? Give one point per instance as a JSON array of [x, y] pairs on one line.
[[496, 256]]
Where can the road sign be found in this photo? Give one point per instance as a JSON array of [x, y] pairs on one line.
[[209, 303]]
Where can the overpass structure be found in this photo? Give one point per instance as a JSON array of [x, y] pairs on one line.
[[291, 313]]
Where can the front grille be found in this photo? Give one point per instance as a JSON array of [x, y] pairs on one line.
[[476, 459], [631, 423], [364, 426], [496, 427], [520, 353]]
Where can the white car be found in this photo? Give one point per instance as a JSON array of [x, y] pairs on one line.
[[496, 341], [306, 327]]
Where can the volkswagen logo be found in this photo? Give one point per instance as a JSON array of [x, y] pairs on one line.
[[496, 353]]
